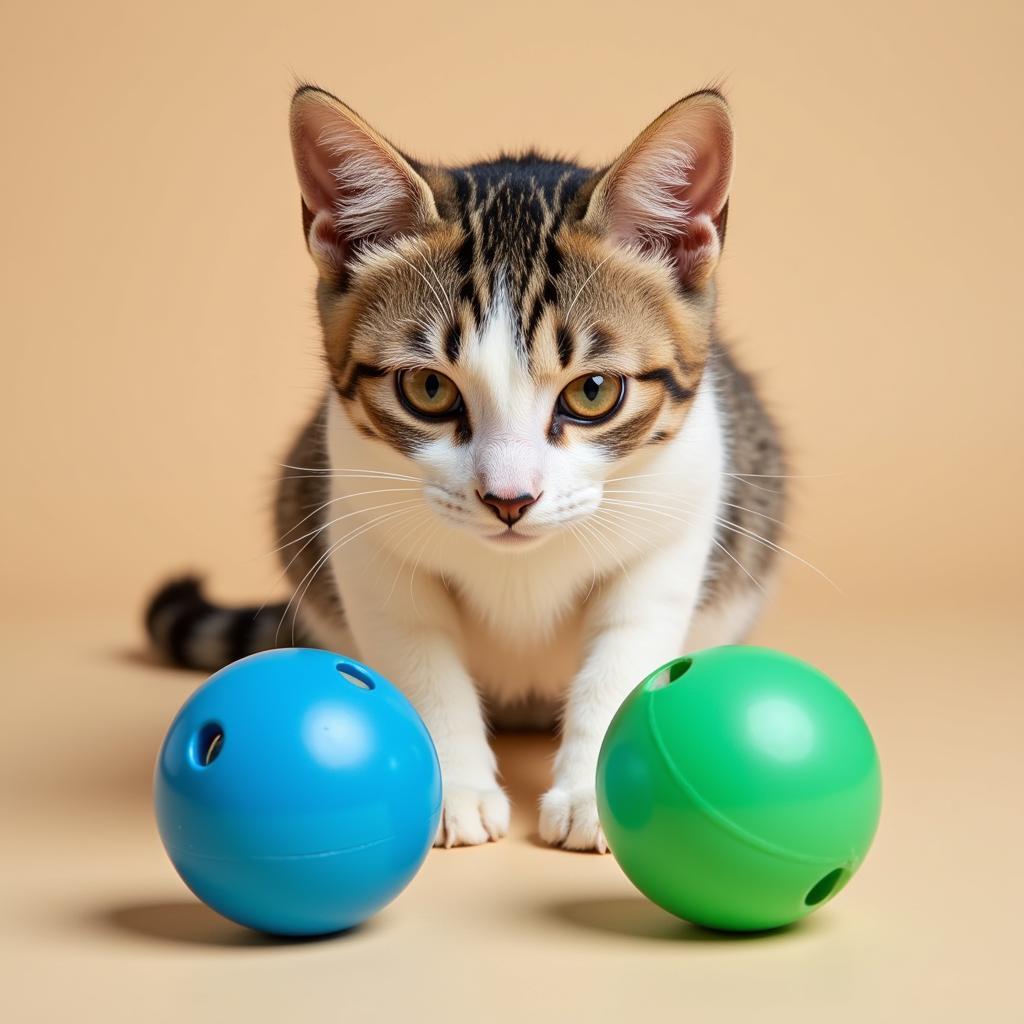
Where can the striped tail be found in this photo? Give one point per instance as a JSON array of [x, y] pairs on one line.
[[188, 630]]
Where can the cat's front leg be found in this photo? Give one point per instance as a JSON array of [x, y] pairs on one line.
[[638, 623], [408, 631]]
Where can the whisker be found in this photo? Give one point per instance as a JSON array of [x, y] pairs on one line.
[[382, 548], [430, 267], [329, 553], [423, 524], [728, 554], [764, 476], [759, 538], [616, 528], [338, 519], [644, 476], [598, 536], [740, 530], [321, 561], [590, 554], [590, 278], [412, 577], [633, 518], [343, 497], [423, 277], [326, 554], [354, 471], [671, 498], [757, 487], [787, 476], [718, 544]]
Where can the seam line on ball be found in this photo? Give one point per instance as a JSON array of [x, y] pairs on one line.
[[282, 856], [723, 821]]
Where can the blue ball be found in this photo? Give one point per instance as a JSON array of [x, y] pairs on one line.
[[297, 792]]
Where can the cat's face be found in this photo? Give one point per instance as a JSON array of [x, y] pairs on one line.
[[514, 440], [515, 330]]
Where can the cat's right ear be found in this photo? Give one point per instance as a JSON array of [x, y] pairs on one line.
[[356, 187], [669, 191]]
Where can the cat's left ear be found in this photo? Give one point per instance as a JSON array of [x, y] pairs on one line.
[[356, 186], [669, 191]]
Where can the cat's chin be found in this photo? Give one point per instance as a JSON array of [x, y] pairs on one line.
[[512, 540]]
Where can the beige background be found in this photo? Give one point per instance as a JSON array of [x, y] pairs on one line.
[[159, 345]]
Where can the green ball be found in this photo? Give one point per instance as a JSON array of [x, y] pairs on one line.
[[739, 788]]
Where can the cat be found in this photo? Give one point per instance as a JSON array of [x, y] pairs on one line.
[[535, 474]]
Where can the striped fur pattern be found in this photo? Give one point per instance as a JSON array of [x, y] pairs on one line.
[[536, 472]]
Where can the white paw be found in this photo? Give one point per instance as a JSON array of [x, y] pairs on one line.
[[472, 816], [568, 818]]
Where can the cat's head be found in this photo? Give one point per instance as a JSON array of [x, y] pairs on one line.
[[512, 331]]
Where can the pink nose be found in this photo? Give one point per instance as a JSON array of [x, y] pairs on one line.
[[508, 510]]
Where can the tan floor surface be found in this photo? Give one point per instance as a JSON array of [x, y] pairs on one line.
[[98, 927]]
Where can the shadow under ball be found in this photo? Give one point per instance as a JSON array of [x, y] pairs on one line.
[[297, 792], [739, 788]]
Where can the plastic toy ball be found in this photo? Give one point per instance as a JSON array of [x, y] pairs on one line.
[[297, 792], [739, 788]]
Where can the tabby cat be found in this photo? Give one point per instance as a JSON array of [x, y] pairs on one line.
[[535, 473]]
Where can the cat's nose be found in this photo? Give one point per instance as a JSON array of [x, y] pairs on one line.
[[508, 510]]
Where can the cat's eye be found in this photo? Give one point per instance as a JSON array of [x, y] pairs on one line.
[[428, 393], [592, 397]]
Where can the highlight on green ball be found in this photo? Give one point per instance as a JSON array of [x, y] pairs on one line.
[[739, 788]]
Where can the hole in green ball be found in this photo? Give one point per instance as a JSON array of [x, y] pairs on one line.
[[355, 675], [823, 888], [208, 744], [670, 674], [678, 669]]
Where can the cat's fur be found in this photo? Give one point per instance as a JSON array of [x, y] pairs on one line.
[[650, 532]]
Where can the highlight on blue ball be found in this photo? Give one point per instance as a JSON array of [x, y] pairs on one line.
[[297, 792]]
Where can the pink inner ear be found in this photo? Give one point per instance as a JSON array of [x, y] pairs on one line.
[[669, 191], [350, 177], [313, 164], [707, 190], [326, 242], [697, 251]]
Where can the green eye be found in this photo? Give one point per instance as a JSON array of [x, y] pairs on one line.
[[428, 392], [592, 396]]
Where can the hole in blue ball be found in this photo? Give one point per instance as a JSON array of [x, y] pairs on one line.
[[355, 675], [823, 888], [208, 744]]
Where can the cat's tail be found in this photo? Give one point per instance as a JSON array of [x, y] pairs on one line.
[[188, 630]]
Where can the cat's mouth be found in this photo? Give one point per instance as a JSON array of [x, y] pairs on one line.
[[511, 536]]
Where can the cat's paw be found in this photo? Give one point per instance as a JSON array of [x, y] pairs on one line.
[[568, 818], [472, 816]]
